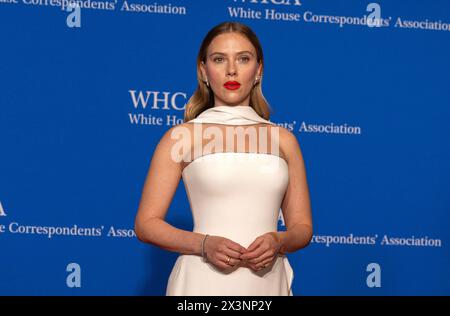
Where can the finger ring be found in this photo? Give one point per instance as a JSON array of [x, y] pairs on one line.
[[228, 260]]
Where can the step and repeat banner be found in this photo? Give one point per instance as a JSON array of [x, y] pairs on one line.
[[87, 89]]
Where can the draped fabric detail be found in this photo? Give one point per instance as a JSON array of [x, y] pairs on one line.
[[230, 115]]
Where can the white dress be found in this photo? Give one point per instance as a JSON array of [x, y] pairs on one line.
[[236, 195]]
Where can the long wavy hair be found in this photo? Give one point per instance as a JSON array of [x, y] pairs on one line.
[[203, 97]]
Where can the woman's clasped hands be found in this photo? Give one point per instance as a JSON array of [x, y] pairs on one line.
[[225, 254]]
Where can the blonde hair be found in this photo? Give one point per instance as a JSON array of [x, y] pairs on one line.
[[203, 97]]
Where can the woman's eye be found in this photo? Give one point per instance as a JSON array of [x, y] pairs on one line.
[[218, 59], [245, 58]]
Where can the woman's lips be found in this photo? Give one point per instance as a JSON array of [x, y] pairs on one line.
[[232, 85]]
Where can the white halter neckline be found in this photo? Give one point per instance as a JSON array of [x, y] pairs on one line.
[[230, 115]]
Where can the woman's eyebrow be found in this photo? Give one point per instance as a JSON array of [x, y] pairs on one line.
[[238, 53]]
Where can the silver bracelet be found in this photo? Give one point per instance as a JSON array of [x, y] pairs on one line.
[[203, 247]]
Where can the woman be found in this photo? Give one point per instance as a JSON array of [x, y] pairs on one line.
[[235, 186]]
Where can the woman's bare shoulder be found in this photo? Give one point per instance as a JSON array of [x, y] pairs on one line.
[[289, 144], [175, 132]]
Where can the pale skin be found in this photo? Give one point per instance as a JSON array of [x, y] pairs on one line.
[[230, 56]]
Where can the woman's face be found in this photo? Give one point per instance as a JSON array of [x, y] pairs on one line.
[[231, 58]]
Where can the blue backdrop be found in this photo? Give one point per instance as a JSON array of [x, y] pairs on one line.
[[85, 95]]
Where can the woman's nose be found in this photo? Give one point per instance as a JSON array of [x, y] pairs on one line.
[[231, 70]]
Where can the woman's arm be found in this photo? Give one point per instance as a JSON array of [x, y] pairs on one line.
[[159, 188], [296, 204]]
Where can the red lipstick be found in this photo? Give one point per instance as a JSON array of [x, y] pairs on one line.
[[232, 85]]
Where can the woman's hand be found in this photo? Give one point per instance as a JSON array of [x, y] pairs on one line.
[[262, 251], [223, 253]]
